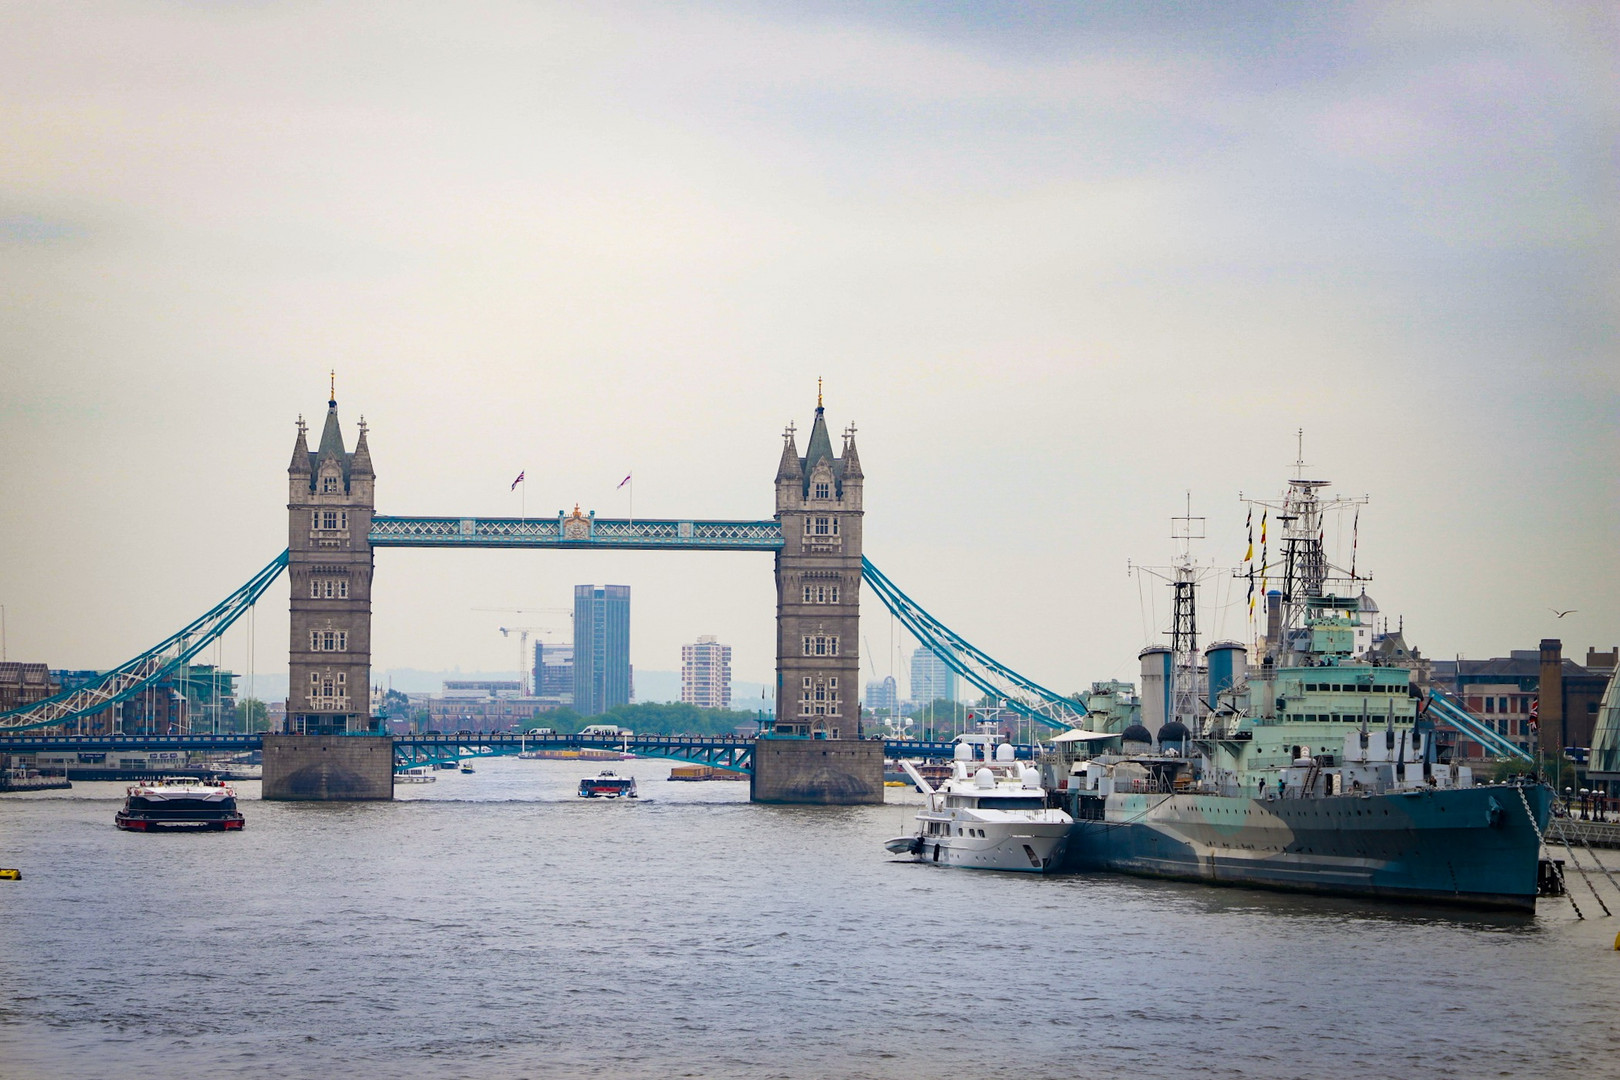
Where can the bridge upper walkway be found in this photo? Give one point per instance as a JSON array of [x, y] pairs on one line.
[[654, 534]]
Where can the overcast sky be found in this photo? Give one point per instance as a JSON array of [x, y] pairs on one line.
[[1062, 265]]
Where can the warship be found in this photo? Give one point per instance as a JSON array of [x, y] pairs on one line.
[[1317, 769]]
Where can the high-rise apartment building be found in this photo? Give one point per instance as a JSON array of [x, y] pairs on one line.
[[931, 679], [601, 648], [706, 673]]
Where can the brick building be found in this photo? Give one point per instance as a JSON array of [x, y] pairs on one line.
[[1541, 684]]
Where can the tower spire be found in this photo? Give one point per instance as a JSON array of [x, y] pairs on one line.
[[332, 388], [818, 392]]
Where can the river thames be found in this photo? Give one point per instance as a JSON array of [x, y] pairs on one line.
[[493, 925]]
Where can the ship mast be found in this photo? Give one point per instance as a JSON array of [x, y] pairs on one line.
[[1306, 571], [1183, 577], [1184, 626]]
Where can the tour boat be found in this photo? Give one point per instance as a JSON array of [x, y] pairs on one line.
[[179, 802], [989, 814], [419, 775], [607, 784]]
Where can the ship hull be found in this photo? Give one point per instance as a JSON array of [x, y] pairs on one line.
[[1473, 847]]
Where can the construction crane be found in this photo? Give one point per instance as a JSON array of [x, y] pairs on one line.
[[525, 661]]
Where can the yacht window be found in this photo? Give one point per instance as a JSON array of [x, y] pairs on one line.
[[1010, 802]]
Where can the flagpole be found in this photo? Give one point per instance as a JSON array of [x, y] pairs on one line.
[[632, 498], [523, 501]]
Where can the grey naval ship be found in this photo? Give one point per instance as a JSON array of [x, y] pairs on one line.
[[1317, 769]]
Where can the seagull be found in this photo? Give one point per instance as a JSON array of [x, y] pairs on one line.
[[1561, 614]]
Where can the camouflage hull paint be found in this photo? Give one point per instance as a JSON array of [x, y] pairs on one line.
[[1473, 847]]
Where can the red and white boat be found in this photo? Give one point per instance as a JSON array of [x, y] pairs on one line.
[[607, 784], [180, 802]]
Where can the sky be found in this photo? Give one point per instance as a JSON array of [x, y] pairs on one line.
[[1070, 269]]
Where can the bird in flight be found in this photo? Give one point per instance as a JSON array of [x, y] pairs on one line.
[[1561, 614]]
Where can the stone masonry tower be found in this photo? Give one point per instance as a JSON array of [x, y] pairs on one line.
[[331, 495], [818, 582]]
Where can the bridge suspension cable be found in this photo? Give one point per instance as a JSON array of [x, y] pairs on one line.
[[1001, 683], [152, 666], [1453, 713]]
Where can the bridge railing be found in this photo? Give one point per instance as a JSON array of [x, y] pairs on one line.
[[733, 752], [654, 534]]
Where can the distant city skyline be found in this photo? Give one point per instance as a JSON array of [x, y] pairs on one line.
[[1062, 266]]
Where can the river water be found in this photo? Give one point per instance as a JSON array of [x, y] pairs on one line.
[[493, 925]]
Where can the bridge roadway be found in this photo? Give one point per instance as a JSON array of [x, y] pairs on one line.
[[734, 752]]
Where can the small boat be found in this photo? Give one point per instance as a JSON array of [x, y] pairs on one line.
[[419, 775], [991, 814], [466, 767], [180, 802], [607, 784]]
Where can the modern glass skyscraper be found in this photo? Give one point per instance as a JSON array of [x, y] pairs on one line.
[[601, 648], [931, 679]]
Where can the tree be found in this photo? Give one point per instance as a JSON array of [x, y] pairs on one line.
[[252, 715]]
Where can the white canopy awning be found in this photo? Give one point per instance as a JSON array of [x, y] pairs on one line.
[[1078, 735]]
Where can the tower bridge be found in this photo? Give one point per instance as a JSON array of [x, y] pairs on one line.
[[334, 750]]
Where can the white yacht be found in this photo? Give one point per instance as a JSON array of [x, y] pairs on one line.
[[989, 814]]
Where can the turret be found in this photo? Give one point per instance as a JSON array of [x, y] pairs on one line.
[[298, 471], [361, 476]]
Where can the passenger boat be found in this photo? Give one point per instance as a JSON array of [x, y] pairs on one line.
[[419, 775], [989, 814], [607, 784], [180, 802]]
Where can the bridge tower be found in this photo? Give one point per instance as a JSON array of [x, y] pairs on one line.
[[331, 497], [818, 583]]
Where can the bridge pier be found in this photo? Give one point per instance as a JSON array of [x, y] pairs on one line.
[[825, 772], [328, 768]]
